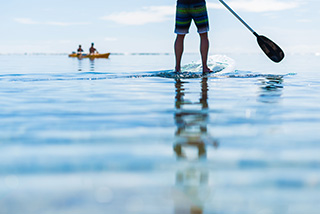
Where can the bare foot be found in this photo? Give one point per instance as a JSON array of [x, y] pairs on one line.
[[207, 70]]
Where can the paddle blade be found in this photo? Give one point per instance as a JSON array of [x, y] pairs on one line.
[[272, 50]]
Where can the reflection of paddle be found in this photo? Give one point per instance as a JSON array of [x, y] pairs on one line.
[[272, 50]]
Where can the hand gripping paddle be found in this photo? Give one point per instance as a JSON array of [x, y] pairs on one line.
[[271, 49]]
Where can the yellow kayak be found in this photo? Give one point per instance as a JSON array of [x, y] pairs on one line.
[[91, 56]]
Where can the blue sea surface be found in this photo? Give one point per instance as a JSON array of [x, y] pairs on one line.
[[124, 135]]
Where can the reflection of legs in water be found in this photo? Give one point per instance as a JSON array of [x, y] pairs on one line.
[[192, 124], [200, 146], [192, 180], [204, 93], [191, 190]]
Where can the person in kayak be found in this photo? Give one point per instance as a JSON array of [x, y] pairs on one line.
[[186, 11], [79, 51], [92, 50]]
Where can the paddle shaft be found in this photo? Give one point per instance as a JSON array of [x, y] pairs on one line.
[[238, 17], [271, 49]]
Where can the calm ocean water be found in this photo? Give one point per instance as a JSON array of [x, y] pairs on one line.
[[112, 136]]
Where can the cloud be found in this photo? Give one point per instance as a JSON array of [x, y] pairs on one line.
[[28, 21], [25, 21], [153, 14], [304, 20], [110, 39], [257, 5], [66, 23], [157, 14]]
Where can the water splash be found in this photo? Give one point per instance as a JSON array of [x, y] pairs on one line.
[[217, 63], [222, 67]]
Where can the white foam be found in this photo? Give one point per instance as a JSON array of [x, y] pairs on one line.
[[217, 63]]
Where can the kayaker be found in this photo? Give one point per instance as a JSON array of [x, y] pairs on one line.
[[79, 51], [92, 50], [186, 11]]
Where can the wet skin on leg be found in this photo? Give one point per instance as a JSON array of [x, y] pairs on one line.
[[204, 49], [178, 50]]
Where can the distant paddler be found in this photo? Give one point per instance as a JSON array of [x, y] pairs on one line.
[[92, 50], [93, 53], [80, 50]]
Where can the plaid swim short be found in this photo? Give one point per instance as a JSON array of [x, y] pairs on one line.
[[186, 12]]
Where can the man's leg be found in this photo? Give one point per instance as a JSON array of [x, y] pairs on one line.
[[204, 49], [178, 50]]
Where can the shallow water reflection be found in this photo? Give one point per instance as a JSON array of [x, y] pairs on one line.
[[191, 140], [81, 63], [92, 64], [122, 140], [271, 89]]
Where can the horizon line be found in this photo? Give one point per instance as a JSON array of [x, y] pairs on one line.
[[158, 53]]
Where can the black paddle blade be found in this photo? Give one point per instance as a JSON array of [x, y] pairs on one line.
[[272, 50]]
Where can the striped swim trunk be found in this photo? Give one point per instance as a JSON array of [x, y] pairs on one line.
[[186, 12]]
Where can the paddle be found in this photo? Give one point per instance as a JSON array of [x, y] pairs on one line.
[[271, 49]]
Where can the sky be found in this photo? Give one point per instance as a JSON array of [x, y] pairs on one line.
[[147, 26]]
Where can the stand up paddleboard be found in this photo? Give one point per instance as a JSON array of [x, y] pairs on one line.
[[217, 63]]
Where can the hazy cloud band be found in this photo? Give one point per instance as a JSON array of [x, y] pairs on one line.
[[157, 14]]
